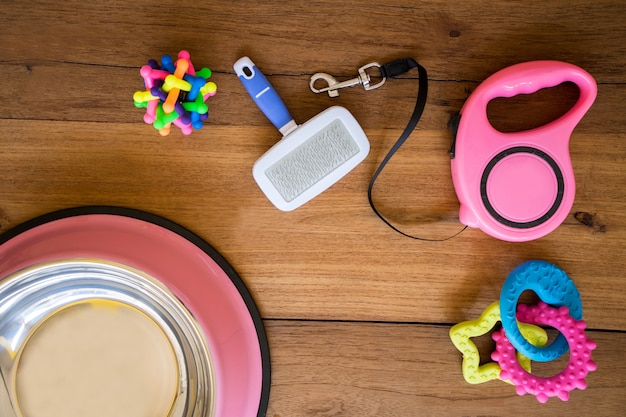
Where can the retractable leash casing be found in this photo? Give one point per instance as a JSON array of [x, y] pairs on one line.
[[517, 186]]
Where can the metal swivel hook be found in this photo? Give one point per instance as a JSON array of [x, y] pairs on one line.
[[333, 85]]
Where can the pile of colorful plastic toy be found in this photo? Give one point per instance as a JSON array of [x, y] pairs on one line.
[[560, 307], [175, 93]]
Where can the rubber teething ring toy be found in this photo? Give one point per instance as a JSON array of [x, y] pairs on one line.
[[560, 385], [554, 287], [461, 334]]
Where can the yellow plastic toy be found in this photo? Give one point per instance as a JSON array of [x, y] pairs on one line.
[[461, 333]]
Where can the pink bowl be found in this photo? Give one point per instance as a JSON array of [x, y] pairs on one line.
[[199, 276]]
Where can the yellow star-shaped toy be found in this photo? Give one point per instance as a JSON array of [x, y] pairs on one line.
[[460, 334]]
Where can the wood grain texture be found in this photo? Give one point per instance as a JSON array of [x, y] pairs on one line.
[[357, 315], [371, 370]]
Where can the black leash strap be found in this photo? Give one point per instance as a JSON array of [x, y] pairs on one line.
[[391, 70]]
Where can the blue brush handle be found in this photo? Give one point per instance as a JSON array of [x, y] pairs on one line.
[[263, 93]]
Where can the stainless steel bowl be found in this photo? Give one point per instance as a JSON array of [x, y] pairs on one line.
[[30, 296]]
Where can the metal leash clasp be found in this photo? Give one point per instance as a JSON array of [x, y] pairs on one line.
[[333, 85]]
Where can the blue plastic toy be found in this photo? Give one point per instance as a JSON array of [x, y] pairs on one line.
[[553, 287]]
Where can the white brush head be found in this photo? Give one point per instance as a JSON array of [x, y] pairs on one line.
[[311, 158]]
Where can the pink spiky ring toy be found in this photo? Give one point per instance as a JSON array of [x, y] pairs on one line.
[[560, 385]]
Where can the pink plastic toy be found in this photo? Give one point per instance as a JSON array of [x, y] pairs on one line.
[[560, 385], [175, 93], [150, 75], [517, 186]]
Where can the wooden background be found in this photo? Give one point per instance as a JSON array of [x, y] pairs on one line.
[[357, 316]]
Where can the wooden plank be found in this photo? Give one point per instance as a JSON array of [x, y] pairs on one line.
[[457, 41], [372, 370], [75, 92], [332, 259]]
